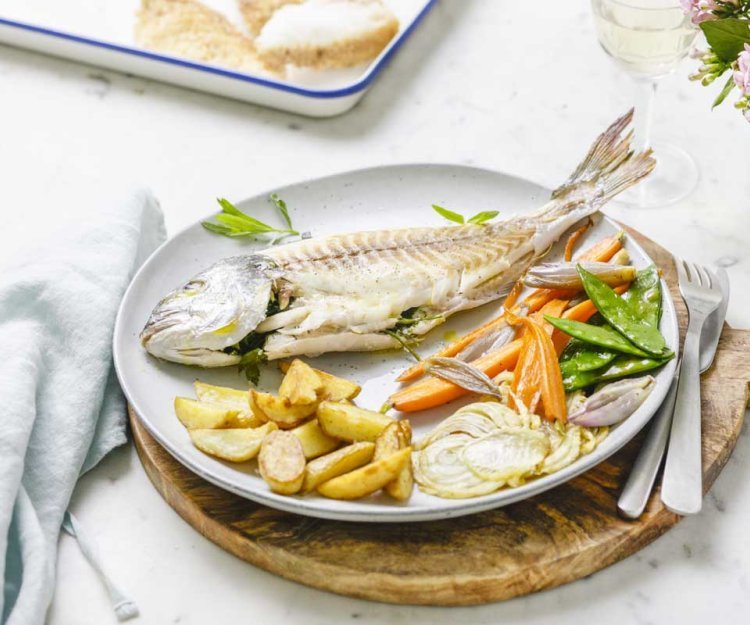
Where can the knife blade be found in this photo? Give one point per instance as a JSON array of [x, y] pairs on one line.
[[637, 489], [715, 322]]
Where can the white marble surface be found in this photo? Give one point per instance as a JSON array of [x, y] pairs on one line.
[[494, 83]]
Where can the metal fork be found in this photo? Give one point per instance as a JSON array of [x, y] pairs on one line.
[[682, 487]]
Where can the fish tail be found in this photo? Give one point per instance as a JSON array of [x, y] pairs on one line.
[[610, 166]]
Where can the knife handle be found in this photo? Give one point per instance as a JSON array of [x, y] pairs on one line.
[[682, 487], [637, 490]]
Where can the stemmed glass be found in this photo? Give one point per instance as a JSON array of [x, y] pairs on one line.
[[648, 39]]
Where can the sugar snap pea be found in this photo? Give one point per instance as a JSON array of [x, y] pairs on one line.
[[622, 317], [644, 295], [621, 367], [603, 336], [580, 356]]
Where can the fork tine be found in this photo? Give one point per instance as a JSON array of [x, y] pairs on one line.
[[682, 276], [710, 278], [695, 273], [705, 281]]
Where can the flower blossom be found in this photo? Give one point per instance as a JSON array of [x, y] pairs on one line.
[[699, 10], [742, 75]]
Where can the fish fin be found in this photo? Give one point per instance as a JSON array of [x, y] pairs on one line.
[[610, 165]]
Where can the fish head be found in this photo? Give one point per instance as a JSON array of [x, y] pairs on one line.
[[196, 323]]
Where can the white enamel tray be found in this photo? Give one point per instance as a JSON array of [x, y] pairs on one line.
[[100, 32], [383, 197]]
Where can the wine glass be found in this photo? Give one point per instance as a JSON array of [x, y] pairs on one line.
[[648, 39]]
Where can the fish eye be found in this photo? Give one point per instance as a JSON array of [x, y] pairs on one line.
[[193, 287]]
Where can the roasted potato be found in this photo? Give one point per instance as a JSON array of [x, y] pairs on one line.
[[366, 479], [235, 444], [194, 414], [301, 384], [230, 398], [336, 463], [281, 462], [280, 411], [350, 423], [395, 436], [334, 388], [315, 442]]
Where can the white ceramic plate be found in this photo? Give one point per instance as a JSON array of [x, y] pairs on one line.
[[383, 197]]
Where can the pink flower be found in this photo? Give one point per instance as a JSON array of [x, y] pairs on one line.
[[699, 10], [742, 75]]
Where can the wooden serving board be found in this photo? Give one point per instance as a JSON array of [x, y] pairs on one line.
[[559, 536]]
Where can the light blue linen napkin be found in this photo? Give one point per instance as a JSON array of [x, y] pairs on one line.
[[62, 409]]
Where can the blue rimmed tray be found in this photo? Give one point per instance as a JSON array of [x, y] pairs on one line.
[[100, 33]]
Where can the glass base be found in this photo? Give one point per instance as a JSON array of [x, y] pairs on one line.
[[675, 177]]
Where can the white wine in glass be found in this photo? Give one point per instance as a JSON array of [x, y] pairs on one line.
[[648, 39]]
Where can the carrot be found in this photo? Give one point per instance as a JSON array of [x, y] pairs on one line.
[[553, 308], [527, 376], [602, 251], [430, 392], [573, 239], [552, 390], [512, 298], [537, 374]]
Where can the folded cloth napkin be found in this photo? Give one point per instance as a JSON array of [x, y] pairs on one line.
[[62, 409]]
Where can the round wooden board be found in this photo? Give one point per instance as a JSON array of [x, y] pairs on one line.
[[554, 538]]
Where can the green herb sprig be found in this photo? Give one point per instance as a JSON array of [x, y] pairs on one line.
[[250, 364], [407, 342], [234, 223], [479, 218]]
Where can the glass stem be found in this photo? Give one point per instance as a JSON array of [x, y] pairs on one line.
[[645, 94]]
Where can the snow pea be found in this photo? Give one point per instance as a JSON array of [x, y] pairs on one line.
[[602, 336], [580, 356], [622, 316], [644, 295], [621, 367]]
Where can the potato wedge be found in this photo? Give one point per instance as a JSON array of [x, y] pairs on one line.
[[280, 411], [194, 414], [351, 423], [395, 436], [337, 389], [315, 442], [337, 463], [281, 462], [334, 388], [256, 412], [233, 399], [233, 444], [301, 384], [366, 479]]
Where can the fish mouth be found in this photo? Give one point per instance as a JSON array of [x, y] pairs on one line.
[[204, 357]]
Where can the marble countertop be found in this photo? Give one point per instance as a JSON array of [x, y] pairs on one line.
[[492, 83]]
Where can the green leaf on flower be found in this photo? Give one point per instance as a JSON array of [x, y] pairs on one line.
[[727, 37], [449, 215], [483, 217], [728, 86]]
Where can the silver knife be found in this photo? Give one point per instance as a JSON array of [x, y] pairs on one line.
[[715, 322], [640, 482]]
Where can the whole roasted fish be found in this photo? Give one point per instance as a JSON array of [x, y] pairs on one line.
[[368, 290]]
